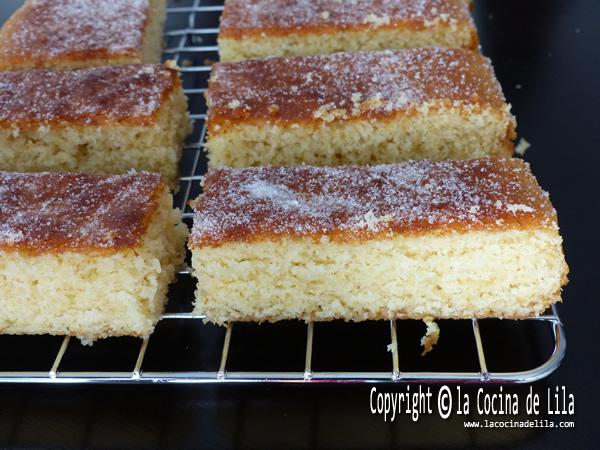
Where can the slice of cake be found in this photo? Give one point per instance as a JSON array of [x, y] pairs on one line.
[[357, 108], [82, 33], [261, 28], [100, 120], [418, 240], [86, 255]]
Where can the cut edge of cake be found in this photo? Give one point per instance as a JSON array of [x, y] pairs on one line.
[[485, 275], [461, 132], [152, 43], [306, 44]]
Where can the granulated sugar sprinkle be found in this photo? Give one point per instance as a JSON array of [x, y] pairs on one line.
[[265, 15], [244, 204], [83, 96], [61, 27], [345, 85], [52, 211]]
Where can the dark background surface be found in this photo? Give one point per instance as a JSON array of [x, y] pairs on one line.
[[546, 56]]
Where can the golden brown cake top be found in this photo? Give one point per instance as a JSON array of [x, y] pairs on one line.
[[54, 212], [344, 86], [278, 17], [70, 30], [129, 94], [354, 203]]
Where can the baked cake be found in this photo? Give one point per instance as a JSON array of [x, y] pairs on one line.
[[261, 28], [98, 120], [86, 255], [419, 240], [357, 108], [82, 33]]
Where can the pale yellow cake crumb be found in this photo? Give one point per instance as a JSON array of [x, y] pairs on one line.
[[431, 337], [522, 146]]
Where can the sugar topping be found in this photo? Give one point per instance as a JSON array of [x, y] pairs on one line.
[[44, 212], [242, 17], [361, 202], [87, 96], [346, 85], [51, 28]]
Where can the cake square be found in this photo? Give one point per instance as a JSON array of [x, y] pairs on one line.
[[70, 34], [420, 240], [357, 108], [99, 120], [86, 255], [262, 28]]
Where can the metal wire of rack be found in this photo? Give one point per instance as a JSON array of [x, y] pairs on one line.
[[194, 22]]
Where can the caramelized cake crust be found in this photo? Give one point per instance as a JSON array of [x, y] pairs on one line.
[[357, 203], [46, 33], [243, 18], [54, 212], [127, 94], [349, 86]]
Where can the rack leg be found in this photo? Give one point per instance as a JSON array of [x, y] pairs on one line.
[[137, 370], [309, 347], [226, 342], [394, 349], [59, 356], [485, 375]]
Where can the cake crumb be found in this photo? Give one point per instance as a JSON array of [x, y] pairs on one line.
[[329, 113], [372, 103], [377, 20], [86, 341], [171, 64], [371, 220], [522, 147], [147, 70], [432, 336], [518, 207], [356, 96]]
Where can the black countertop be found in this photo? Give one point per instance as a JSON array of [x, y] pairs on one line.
[[546, 55]]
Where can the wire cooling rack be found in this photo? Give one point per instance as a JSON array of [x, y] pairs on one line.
[[190, 39]]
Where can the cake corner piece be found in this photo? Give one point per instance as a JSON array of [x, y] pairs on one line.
[[64, 34], [86, 255]]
